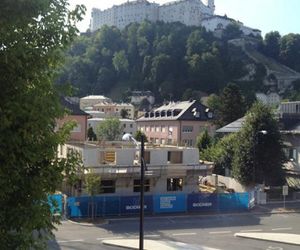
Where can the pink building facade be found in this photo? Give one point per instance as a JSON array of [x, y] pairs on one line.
[[79, 132], [177, 123]]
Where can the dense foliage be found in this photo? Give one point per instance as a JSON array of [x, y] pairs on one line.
[[170, 59], [167, 58], [286, 48], [255, 153], [229, 106], [32, 34], [221, 153], [259, 156], [109, 129]]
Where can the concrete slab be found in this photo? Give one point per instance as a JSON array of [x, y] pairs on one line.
[[154, 245], [293, 239]]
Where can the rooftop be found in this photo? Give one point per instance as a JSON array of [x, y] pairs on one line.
[[72, 107], [186, 110], [102, 97]]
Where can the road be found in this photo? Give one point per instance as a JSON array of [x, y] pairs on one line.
[[216, 231]]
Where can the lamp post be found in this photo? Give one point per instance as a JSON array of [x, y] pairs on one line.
[[129, 137], [263, 132]]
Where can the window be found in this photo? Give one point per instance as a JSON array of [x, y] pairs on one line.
[[109, 156], [187, 129], [157, 128], [174, 157], [152, 128], [163, 129], [188, 142], [131, 125], [174, 184], [137, 185], [124, 125], [108, 186], [77, 129]]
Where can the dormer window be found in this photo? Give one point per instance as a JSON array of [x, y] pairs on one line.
[[176, 112]]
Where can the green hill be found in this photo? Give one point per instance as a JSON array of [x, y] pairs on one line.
[[170, 59]]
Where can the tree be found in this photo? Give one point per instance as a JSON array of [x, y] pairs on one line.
[[203, 141], [91, 134], [110, 129], [124, 113], [233, 106], [259, 157], [290, 51], [222, 154], [93, 187], [196, 44], [272, 44], [232, 31], [138, 135], [33, 33], [120, 62]]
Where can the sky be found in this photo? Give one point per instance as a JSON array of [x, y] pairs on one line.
[[266, 15]]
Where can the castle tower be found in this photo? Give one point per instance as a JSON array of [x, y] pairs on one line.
[[211, 4]]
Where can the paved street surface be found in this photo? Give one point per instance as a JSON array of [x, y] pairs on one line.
[[211, 231]]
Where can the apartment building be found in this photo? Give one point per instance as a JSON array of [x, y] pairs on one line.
[[79, 132], [168, 169], [176, 123], [88, 102], [115, 109]]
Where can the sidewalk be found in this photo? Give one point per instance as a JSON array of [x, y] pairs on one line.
[[154, 245], [293, 239], [277, 207]]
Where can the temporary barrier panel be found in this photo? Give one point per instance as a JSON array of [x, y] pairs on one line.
[[99, 205], [169, 203], [202, 202], [131, 204], [56, 203], [78, 206], [235, 201], [111, 205]]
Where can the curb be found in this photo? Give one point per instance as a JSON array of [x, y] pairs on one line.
[[105, 222], [270, 237]]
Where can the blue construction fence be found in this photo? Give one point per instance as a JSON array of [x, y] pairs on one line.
[[56, 203], [105, 206]]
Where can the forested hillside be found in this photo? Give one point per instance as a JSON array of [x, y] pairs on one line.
[[172, 60]]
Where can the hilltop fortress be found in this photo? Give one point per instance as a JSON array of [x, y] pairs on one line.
[[188, 12]]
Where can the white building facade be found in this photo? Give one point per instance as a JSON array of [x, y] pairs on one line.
[[127, 125], [171, 170], [88, 102], [188, 12], [219, 23], [124, 14]]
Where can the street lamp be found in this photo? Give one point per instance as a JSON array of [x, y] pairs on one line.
[[129, 137], [263, 132]]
